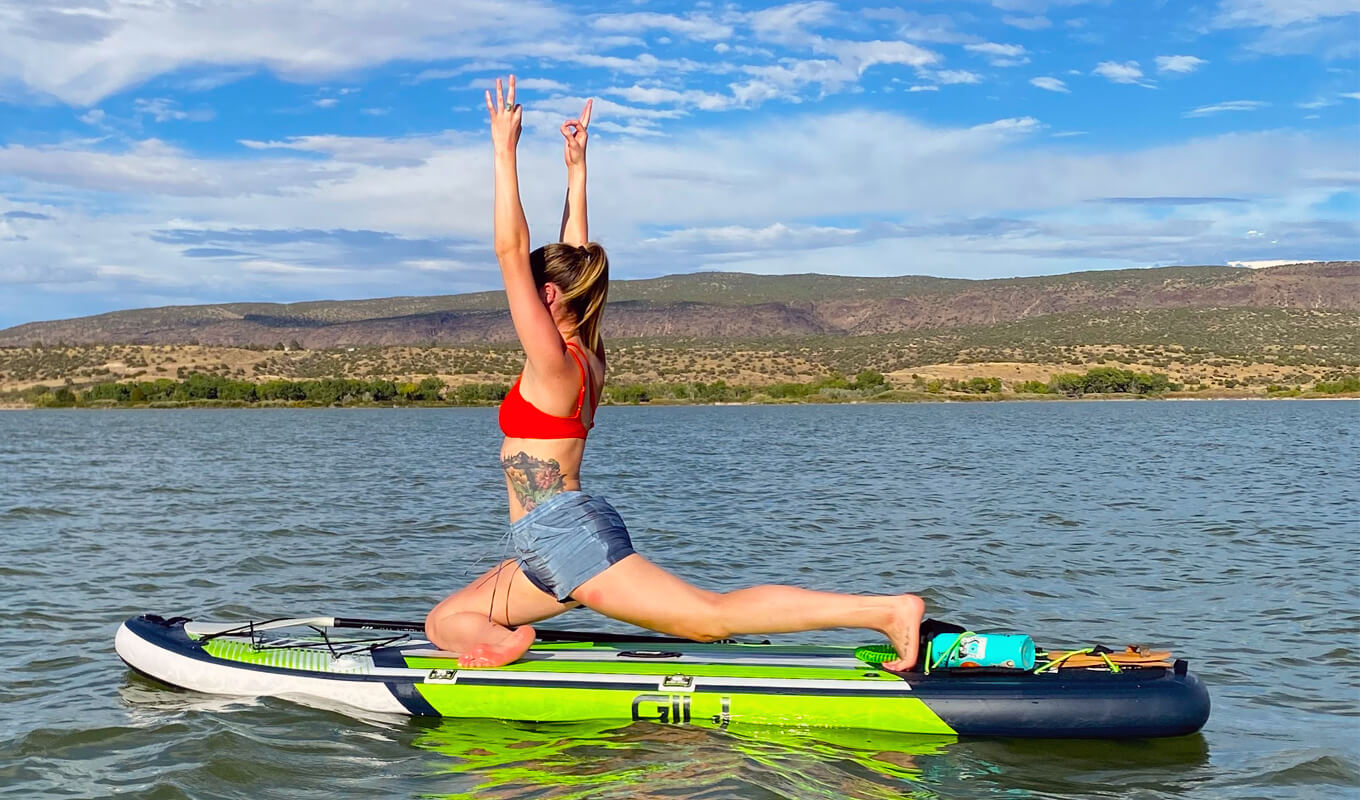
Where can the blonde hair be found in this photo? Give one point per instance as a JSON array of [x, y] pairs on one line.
[[582, 274]]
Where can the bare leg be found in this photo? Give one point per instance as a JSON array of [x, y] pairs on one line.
[[476, 622], [637, 591]]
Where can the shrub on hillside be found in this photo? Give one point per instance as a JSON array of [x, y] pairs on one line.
[[1346, 383]]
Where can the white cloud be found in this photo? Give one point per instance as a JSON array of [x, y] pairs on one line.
[[163, 109], [1000, 55], [604, 108], [695, 26], [372, 151], [607, 115], [995, 49], [326, 102], [1037, 23], [952, 76], [1323, 29], [1051, 84], [785, 79], [924, 88], [127, 42], [1279, 13], [641, 64], [158, 168], [1010, 126], [1179, 63], [1127, 72], [1230, 105], [691, 98], [738, 238], [1351, 95], [532, 84], [788, 23], [918, 27], [416, 185], [91, 52], [862, 55], [754, 92], [637, 127], [747, 196], [496, 67]]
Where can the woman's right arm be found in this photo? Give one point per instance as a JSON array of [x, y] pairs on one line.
[[534, 325], [575, 229]]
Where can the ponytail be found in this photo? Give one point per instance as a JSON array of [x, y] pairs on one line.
[[582, 273]]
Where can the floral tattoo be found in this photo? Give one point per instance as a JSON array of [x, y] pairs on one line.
[[532, 479]]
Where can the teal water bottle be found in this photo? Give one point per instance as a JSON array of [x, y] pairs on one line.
[[968, 649]]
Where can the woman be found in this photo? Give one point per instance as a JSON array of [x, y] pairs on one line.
[[573, 548]]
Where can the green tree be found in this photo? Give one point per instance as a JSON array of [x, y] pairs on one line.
[[870, 381], [1345, 383], [382, 391], [628, 393], [1068, 383], [429, 390]]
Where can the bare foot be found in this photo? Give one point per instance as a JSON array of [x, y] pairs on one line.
[[904, 631], [495, 654]]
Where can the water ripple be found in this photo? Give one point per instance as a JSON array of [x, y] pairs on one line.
[[1224, 531]]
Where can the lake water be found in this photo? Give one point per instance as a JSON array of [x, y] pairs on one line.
[[1226, 531]]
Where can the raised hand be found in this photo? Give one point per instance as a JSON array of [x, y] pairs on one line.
[[574, 131], [505, 118]]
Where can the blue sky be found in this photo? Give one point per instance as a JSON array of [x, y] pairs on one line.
[[189, 151]]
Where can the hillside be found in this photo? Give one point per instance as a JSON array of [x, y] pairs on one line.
[[1210, 348], [725, 306]]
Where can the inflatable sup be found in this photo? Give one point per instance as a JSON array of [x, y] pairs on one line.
[[388, 667]]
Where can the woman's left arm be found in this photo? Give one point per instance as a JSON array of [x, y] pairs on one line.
[[575, 229]]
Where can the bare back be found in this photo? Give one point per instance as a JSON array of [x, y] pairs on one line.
[[536, 469]]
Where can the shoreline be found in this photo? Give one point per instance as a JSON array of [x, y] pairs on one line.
[[963, 399]]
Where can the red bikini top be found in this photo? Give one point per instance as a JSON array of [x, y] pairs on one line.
[[520, 419]]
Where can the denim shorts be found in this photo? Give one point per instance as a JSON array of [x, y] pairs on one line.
[[568, 539]]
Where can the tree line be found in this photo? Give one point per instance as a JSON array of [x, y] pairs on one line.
[[1102, 380], [208, 389]]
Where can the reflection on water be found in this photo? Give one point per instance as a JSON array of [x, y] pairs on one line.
[[644, 760]]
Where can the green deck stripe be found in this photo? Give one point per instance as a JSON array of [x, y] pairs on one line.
[[291, 658]]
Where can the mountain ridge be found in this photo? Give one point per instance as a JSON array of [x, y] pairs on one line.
[[722, 304]]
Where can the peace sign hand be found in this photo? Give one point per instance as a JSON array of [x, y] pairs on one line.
[[505, 118], [574, 131]]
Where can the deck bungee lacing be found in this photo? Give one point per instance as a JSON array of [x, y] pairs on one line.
[[336, 647], [1100, 656], [944, 657], [1056, 663], [1094, 657]]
